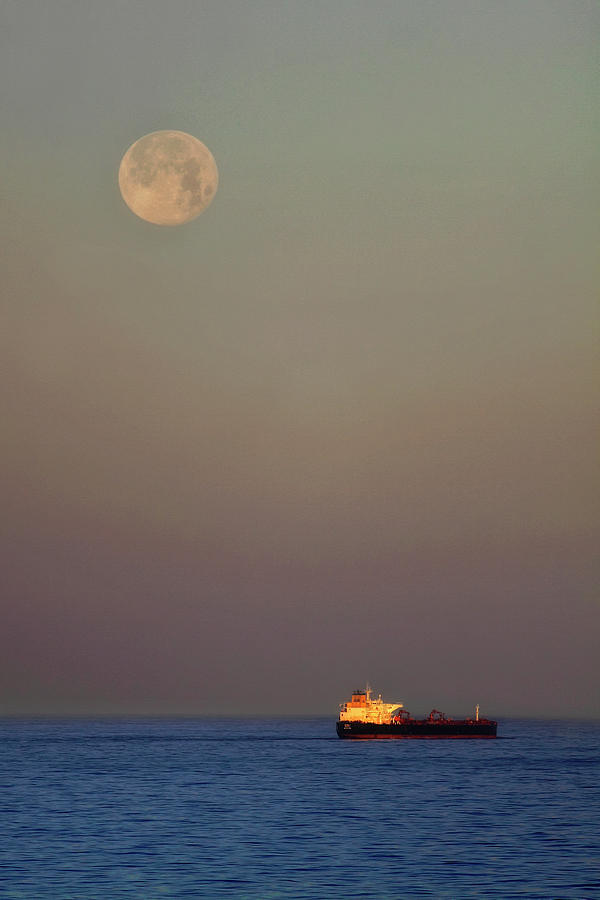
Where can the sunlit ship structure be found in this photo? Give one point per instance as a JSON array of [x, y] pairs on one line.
[[363, 717]]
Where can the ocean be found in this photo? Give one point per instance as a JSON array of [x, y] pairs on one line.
[[263, 809]]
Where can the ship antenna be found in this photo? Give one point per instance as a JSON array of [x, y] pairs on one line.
[[477, 713]]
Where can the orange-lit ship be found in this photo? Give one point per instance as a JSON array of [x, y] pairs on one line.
[[363, 717]]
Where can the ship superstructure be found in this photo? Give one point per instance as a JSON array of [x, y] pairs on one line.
[[361, 708]]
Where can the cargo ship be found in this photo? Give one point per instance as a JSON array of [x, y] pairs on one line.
[[364, 717]]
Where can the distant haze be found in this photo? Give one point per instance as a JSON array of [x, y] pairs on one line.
[[343, 426]]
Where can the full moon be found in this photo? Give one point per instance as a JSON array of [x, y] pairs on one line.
[[168, 177]]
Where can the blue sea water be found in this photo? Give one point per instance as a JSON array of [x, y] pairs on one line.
[[266, 809]]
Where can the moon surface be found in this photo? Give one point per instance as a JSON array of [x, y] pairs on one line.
[[168, 177]]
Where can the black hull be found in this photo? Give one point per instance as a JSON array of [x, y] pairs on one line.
[[418, 729]]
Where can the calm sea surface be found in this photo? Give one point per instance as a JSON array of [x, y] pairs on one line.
[[266, 809]]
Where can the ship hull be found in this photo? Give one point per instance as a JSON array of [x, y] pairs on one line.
[[417, 729]]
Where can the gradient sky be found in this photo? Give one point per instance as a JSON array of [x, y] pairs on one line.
[[342, 426]]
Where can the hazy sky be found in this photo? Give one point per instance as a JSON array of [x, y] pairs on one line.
[[343, 425]]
